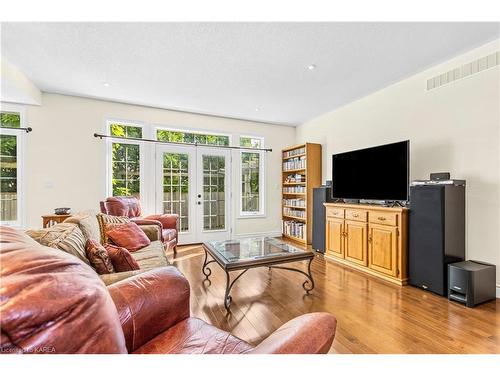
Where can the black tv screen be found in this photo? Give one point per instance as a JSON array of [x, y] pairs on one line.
[[375, 173]]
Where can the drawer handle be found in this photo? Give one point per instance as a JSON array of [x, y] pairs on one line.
[[355, 215], [335, 213], [381, 218]]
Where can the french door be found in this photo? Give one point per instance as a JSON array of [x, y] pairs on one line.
[[195, 184]]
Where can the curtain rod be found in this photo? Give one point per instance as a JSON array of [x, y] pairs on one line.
[[27, 130], [101, 136]]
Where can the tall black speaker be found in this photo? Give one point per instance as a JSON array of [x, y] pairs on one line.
[[320, 195], [436, 233]]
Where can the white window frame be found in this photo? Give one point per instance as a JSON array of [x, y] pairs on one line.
[[109, 156], [21, 173], [262, 204], [193, 131]]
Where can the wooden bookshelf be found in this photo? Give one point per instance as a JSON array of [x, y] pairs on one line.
[[305, 161]]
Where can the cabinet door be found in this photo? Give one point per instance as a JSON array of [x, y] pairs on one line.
[[355, 243], [382, 248], [335, 237]]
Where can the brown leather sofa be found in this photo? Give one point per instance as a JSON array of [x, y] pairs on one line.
[[52, 302], [131, 207]]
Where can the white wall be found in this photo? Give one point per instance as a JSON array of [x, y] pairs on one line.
[[66, 165], [454, 128]]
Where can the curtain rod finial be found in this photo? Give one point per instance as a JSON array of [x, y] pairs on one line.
[[29, 129]]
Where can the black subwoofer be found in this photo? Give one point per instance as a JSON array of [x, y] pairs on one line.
[[436, 234]]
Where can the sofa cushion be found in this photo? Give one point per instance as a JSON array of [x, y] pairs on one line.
[[87, 222], [104, 219], [98, 257], [63, 236], [194, 336], [151, 256], [128, 235], [121, 258]]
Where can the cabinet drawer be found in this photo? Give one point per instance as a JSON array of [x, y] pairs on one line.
[[381, 217], [356, 215], [335, 212]]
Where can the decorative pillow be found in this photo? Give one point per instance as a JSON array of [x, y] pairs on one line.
[[121, 258], [89, 226], [65, 236], [98, 257], [104, 219], [129, 236]]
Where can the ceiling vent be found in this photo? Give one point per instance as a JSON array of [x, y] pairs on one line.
[[463, 71]]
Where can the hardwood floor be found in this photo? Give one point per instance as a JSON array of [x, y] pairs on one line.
[[373, 316]]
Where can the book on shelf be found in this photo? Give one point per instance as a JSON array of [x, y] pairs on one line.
[[294, 229], [295, 163]]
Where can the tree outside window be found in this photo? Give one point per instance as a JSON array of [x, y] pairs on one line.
[[9, 168], [125, 161], [251, 197]]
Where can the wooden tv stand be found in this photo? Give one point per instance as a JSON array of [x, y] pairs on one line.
[[369, 238]]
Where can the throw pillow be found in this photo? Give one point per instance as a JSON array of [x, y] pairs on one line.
[[98, 257], [89, 226], [129, 236], [121, 258], [104, 219], [64, 236]]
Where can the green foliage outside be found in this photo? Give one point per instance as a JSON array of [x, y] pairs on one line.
[[250, 162], [250, 142], [8, 163], [182, 137], [126, 161], [125, 131], [11, 120]]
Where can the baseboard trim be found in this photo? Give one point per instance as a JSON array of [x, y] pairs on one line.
[[257, 234], [498, 291]]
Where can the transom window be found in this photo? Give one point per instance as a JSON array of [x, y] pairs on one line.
[[185, 137], [251, 177], [125, 161], [10, 168]]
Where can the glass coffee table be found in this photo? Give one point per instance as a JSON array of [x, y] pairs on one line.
[[241, 255]]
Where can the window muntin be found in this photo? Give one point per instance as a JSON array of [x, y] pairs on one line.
[[189, 137], [251, 177], [214, 195], [11, 143], [176, 187], [8, 178], [125, 161]]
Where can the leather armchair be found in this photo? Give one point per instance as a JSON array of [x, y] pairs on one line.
[[131, 207], [54, 303]]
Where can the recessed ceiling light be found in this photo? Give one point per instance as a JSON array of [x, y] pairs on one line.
[[105, 84], [311, 67], [257, 109]]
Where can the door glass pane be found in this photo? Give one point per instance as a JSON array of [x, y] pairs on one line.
[[8, 177], [176, 187], [214, 195]]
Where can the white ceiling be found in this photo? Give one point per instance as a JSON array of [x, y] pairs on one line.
[[230, 69]]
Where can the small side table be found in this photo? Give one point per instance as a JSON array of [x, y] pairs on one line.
[[49, 220]]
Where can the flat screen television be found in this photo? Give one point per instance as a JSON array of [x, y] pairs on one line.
[[375, 173]]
